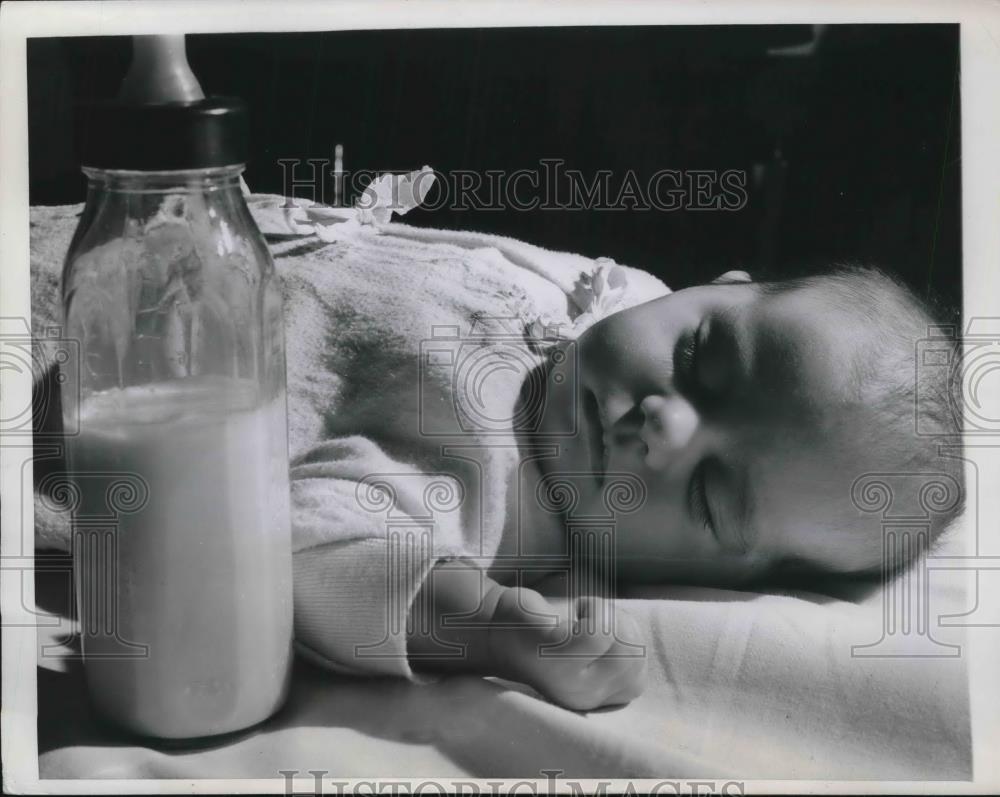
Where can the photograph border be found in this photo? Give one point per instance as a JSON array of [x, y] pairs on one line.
[[980, 128]]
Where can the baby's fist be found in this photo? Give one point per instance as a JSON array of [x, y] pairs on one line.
[[581, 654]]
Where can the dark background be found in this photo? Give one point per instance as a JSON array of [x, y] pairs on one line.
[[851, 148]]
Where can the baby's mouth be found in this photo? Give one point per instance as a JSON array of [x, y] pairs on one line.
[[624, 436]]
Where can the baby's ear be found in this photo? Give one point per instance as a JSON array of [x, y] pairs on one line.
[[731, 277]]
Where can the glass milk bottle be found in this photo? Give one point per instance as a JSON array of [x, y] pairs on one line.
[[182, 550]]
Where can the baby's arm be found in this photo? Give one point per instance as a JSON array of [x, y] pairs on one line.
[[560, 647]]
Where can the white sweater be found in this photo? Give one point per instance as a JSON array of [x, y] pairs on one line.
[[375, 501]]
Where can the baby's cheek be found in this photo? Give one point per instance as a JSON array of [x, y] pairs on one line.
[[613, 352], [549, 402]]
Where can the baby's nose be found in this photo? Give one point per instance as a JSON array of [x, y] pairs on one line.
[[669, 423]]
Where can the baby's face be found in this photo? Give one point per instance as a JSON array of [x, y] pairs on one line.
[[722, 399]]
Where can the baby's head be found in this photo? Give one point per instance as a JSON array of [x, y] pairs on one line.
[[748, 411]]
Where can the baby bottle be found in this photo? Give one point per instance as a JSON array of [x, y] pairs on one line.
[[178, 454]]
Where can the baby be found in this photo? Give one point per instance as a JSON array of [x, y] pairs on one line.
[[711, 436], [745, 411]]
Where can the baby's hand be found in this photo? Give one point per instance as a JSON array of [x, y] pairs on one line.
[[581, 654]]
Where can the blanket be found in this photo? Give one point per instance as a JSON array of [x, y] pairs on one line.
[[742, 685]]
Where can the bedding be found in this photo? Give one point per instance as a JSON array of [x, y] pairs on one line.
[[741, 685]]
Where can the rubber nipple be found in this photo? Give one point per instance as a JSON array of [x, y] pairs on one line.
[[159, 72]]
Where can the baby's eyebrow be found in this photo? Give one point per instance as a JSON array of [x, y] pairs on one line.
[[731, 312], [730, 319]]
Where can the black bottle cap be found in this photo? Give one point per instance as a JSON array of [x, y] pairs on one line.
[[162, 137]]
